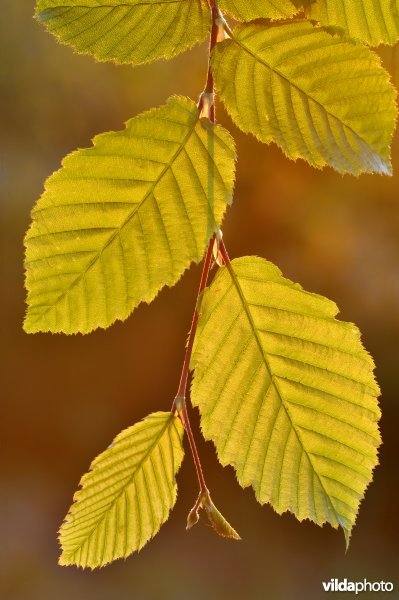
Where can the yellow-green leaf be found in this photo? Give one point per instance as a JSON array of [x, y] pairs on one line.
[[372, 21], [128, 31], [124, 218], [318, 97], [127, 494], [248, 10], [286, 392]]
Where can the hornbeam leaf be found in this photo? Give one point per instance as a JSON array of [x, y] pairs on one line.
[[372, 21], [318, 97], [124, 218], [128, 31], [286, 392], [127, 494], [248, 10]]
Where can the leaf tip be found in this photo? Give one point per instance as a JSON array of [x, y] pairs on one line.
[[347, 534]]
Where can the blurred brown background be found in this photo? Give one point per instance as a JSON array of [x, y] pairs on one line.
[[65, 398]]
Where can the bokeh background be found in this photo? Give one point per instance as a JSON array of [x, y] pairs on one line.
[[65, 398]]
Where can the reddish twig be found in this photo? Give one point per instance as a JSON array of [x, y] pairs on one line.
[[223, 252], [210, 84], [206, 103], [187, 357], [181, 407]]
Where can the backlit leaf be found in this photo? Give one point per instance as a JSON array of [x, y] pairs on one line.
[[124, 218], [318, 97], [128, 31], [127, 494], [372, 21], [286, 392], [248, 10]]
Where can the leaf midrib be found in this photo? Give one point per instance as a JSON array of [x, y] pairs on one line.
[[257, 58], [118, 230], [274, 381], [148, 453]]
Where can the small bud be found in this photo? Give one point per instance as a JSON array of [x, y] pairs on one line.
[[193, 515], [180, 403], [217, 520], [193, 518], [218, 234], [217, 255], [221, 23], [207, 100]]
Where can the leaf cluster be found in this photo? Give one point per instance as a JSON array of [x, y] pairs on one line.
[[286, 391]]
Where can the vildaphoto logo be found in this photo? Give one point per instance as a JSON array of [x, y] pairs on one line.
[[335, 585]]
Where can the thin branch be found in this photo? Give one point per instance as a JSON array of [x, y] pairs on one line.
[[186, 363], [223, 252], [179, 402], [209, 89], [182, 411], [206, 104], [210, 85]]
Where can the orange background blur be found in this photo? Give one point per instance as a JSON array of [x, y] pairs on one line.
[[65, 398]]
